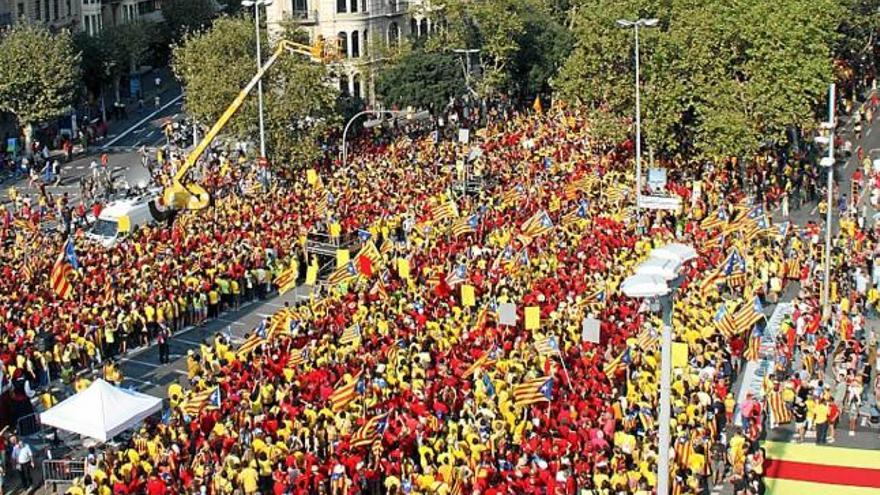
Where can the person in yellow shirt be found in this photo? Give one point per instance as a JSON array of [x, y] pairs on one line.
[[249, 479], [820, 417]]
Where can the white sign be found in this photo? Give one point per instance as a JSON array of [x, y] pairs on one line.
[[590, 330], [657, 179], [660, 203], [507, 314], [464, 136]]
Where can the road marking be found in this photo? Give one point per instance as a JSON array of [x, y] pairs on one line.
[[187, 341], [274, 305], [224, 320], [264, 315], [145, 382], [145, 119], [868, 132], [151, 133], [142, 363]]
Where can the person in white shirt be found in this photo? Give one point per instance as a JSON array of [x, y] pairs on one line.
[[23, 457]]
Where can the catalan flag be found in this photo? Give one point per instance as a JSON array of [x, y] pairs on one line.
[[724, 322], [465, 225], [533, 391], [64, 266], [197, 401], [513, 196], [297, 358], [369, 432], [538, 224], [343, 395], [249, 346], [387, 246], [748, 315], [547, 346], [793, 268], [647, 339], [734, 268], [753, 351], [617, 364], [457, 487], [458, 275], [444, 211], [483, 361], [715, 220], [778, 409], [350, 335], [575, 215], [379, 290], [615, 192], [286, 280], [344, 273]]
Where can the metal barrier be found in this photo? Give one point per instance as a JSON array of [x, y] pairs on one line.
[[63, 470], [29, 425], [322, 244]]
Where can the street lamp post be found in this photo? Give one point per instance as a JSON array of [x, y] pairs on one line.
[[256, 4], [635, 25], [656, 288], [424, 114], [828, 163]]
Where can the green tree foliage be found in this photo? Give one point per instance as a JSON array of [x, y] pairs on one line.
[[719, 77], [214, 65], [39, 74], [521, 42], [182, 16], [424, 80]]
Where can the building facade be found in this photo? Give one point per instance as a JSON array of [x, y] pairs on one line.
[[57, 14], [359, 27], [90, 16]]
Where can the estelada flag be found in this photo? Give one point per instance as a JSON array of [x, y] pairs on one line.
[[533, 391], [345, 394]]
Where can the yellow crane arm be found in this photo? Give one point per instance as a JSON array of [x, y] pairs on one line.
[[194, 196]]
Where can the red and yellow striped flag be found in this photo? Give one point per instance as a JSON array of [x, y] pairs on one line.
[[345, 394]]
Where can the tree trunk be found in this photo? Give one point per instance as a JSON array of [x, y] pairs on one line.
[[116, 88], [28, 139]]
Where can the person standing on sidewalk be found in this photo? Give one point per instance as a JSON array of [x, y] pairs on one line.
[[23, 457], [820, 415], [164, 349]]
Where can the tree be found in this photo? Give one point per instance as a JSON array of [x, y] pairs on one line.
[[424, 80], [39, 74], [183, 16], [719, 78], [94, 57], [214, 65], [521, 42]]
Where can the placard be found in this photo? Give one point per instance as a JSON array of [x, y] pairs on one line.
[[533, 317], [507, 314], [590, 330]]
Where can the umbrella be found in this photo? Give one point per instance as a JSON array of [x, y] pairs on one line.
[[675, 251], [665, 268]]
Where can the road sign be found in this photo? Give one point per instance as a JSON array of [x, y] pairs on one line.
[[660, 203]]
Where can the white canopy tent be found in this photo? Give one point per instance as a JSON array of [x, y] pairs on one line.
[[101, 411], [666, 268], [675, 251], [643, 285]]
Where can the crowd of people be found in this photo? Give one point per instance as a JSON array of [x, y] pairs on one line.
[[400, 374]]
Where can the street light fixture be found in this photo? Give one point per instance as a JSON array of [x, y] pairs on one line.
[[650, 283], [256, 4], [635, 25]]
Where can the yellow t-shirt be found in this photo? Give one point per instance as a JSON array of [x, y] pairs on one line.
[[821, 413], [249, 478]]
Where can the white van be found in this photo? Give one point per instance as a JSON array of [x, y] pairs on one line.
[[119, 218]]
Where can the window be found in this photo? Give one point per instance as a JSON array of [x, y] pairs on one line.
[[87, 25], [56, 11], [341, 5], [20, 10], [356, 86], [343, 85], [413, 27], [366, 42], [69, 9], [355, 45], [46, 14], [364, 6], [343, 43], [300, 6], [393, 33], [423, 28], [37, 10], [354, 5]]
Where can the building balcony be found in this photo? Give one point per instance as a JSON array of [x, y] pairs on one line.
[[304, 17]]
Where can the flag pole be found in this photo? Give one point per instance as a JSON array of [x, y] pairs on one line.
[[565, 369]]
